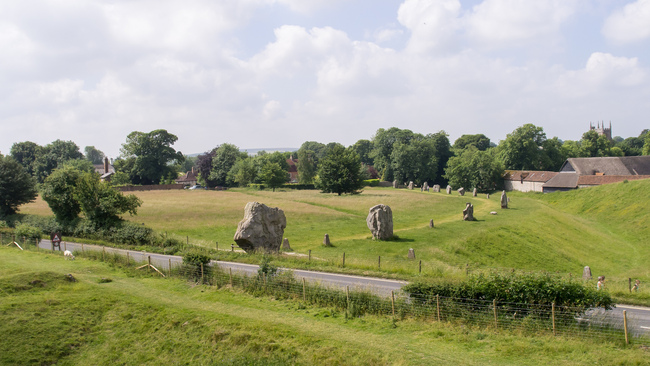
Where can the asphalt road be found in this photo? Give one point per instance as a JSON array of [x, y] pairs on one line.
[[638, 317]]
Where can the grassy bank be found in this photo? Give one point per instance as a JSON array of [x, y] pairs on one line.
[[137, 319]]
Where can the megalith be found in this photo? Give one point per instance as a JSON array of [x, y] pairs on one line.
[[380, 222], [474, 192], [411, 185], [261, 229], [285, 245], [326, 241], [448, 189], [461, 191], [586, 273], [395, 184], [504, 200], [468, 212], [411, 254], [425, 186], [436, 188]]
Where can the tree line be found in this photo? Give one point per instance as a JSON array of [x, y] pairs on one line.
[[391, 154]]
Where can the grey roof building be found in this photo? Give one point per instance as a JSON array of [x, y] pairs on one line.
[[586, 172]]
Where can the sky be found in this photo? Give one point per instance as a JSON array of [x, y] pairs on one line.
[[276, 73]]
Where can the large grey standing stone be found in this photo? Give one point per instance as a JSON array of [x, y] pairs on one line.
[[474, 193], [431, 223], [436, 188], [461, 191], [586, 273], [261, 229], [448, 189], [468, 212], [411, 254], [411, 185], [395, 184], [326, 241], [285, 245], [487, 196], [504, 200], [425, 187], [380, 222]]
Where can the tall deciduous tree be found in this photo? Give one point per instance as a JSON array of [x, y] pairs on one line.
[[54, 155], [93, 155], [17, 187], [443, 152], [479, 141], [102, 204], [363, 148], [307, 166], [474, 168], [26, 153], [383, 144], [152, 156], [224, 159], [273, 175], [523, 148], [340, 171], [58, 191]]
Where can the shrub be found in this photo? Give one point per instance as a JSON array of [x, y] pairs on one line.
[[3, 224], [27, 231], [266, 268], [130, 233], [371, 182], [192, 262]]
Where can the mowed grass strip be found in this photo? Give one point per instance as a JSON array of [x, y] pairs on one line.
[[137, 319]]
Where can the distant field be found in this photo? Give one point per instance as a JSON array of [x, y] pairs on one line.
[[136, 319], [606, 228]]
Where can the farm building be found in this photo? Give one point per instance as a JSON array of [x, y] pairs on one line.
[[189, 179], [526, 180], [588, 172]]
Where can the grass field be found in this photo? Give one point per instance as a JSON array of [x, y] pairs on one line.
[[603, 227], [137, 319]]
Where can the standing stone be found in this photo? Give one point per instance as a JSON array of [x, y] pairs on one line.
[[468, 212], [380, 222], [586, 273], [411, 185], [448, 189], [461, 191], [474, 193], [425, 187], [395, 184], [261, 229], [326, 241], [487, 196], [504, 200], [285, 246], [436, 188], [431, 223], [411, 254]]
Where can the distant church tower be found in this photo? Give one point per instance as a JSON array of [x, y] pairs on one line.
[[601, 129]]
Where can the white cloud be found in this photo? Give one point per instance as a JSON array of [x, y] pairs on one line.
[[630, 24], [507, 22], [431, 23], [62, 91]]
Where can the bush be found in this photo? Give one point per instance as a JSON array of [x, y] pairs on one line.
[[192, 262], [29, 232], [371, 182], [266, 268], [256, 186], [531, 289], [298, 186], [130, 233], [3, 224]]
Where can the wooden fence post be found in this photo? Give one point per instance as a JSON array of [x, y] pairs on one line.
[[625, 326], [347, 294], [420, 266], [494, 306], [169, 271], [37, 241], [310, 255], [230, 272], [379, 262], [82, 249], [392, 302], [187, 240], [304, 291], [104, 253], [217, 246], [438, 306], [201, 272], [343, 259], [65, 245], [629, 282], [127, 258], [553, 315]]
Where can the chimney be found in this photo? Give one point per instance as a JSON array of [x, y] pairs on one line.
[[105, 165], [192, 170]]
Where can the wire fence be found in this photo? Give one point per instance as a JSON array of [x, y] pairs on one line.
[[487, 314]]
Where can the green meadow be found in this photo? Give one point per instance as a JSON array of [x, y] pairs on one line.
[[114, 315], [606, 228]]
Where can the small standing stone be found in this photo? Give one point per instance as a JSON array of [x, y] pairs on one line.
[[431, 223], [474, 193], [493, 212], [436, 188], [586, 273], [411, 185], [504, 200], [487, 196], [461, 191], [380, 222], [448, 189], [285, 245], [326, 241], [411, 254], [395, 184], [425, 186], [468, 212]]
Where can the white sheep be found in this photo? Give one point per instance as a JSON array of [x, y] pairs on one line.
[[68, 255]]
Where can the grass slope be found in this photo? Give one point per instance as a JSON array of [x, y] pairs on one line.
[[136, 319], [604, 227]]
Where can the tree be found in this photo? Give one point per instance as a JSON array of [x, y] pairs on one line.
[[479, 141], [152, 155], [53, 155], [243, 173], [594, 145], [363, 148], [203, 167], [474, 168], [102, 204], [443, 152], [26, 153], [93, 155], [224, 159], [273, 175], [646, 145], [58, 191], [340, 172], [17, 187], [414, 161], [383, 143], [523, 148], [307, 166]]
